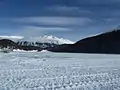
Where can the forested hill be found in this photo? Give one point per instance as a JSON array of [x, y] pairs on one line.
[[108, 43]]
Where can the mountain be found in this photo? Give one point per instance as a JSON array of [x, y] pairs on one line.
[[105, 43], [44, 42], [45, 39], [41, 39], [108, 43], [35, 43], [7, 43], [13, 38]]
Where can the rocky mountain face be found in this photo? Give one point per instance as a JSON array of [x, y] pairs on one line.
[[107, 43], [33, 43], [4, 43]]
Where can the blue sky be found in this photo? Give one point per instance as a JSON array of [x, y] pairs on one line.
[[71, 19]]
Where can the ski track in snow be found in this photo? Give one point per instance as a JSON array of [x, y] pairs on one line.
[[59, 71]]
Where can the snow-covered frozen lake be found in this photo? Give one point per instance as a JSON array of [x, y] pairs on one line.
[[59, 71]]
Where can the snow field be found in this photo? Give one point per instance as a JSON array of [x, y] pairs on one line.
[[50, 71]]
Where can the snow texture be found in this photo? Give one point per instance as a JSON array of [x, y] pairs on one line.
[[59, 71]]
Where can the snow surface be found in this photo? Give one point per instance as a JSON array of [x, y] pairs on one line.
[[59, 71], [18, 50]]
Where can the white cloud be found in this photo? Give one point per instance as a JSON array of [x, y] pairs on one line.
[[37, 31], [62, 21], [34, 28], [67, 9]]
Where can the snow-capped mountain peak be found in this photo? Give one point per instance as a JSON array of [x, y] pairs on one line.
[[41, 39], [48, 39]]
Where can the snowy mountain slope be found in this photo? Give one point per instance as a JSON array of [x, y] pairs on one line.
[[13, 38], [47, 39], [41, 39], [36, 43]]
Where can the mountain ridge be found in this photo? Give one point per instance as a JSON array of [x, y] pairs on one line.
[[33, 43], [105, 43], [41, 39]]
